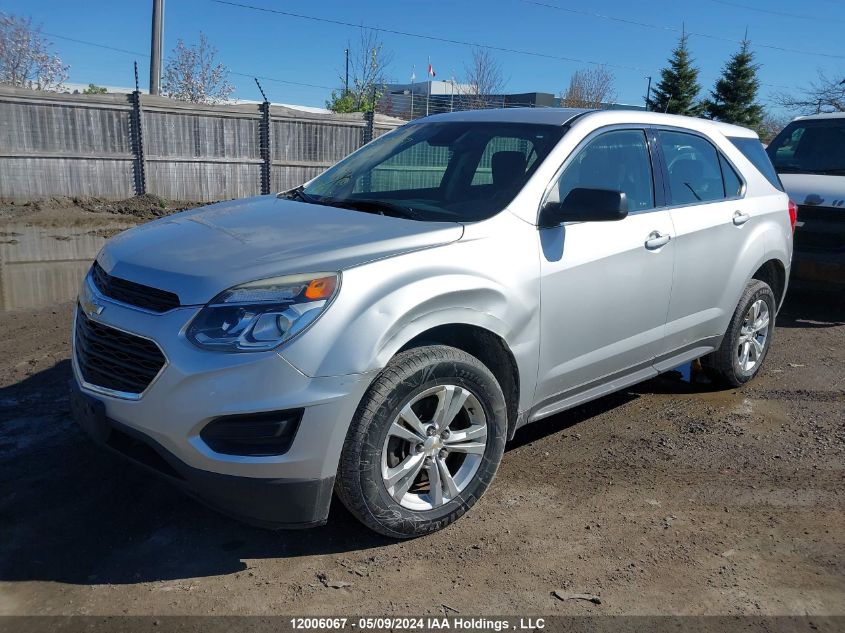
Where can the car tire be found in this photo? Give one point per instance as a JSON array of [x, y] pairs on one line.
[[397, 429], [747, 340]]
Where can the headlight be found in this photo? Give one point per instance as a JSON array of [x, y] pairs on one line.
[[263, 314]]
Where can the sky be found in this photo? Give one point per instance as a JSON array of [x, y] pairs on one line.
[[546, 44]]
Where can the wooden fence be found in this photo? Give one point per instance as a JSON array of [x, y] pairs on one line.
[[115, 146]]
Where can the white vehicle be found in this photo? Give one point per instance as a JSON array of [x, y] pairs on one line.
[[809, 156]]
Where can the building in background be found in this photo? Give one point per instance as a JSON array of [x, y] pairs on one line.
[[414, 100]]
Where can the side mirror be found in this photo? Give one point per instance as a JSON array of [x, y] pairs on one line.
[[585, 205]]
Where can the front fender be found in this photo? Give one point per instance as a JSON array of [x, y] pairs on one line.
[[384, 304]]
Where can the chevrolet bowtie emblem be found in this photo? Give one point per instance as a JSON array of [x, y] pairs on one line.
[[91, 307]]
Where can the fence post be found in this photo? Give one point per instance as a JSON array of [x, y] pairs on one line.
[[264, 146], [369, 119], [137, 138]]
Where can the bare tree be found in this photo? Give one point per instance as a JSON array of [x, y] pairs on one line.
[[589, 88], [25, 57], [192, 73], [484, 82], [770, 126], [825, 94], [368, 62]]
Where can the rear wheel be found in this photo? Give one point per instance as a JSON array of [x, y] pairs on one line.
[[425, 443], [747, 341]]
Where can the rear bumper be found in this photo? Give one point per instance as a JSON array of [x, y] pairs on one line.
[[266, 502]]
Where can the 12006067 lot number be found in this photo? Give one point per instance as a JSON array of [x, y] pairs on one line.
[[318, 623]]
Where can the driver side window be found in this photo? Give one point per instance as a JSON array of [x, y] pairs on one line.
[[618, 161]]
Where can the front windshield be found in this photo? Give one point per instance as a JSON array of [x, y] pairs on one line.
[[810, 147], [439, 171]]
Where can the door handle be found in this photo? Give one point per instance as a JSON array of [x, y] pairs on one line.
[[741, 218], [656, 239]]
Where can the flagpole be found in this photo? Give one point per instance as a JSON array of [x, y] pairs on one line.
[[413, 81], [428, 85]]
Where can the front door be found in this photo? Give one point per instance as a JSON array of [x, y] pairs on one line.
[[605, 286]]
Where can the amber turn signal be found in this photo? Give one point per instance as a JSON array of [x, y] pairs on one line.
[[322, 288]]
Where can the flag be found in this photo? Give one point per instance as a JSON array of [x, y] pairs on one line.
[[413, 74], [431, 69]]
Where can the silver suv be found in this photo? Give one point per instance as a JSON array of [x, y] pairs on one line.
[[383, 330]]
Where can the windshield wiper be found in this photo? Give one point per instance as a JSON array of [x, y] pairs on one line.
[[298, 193], [374, 206]]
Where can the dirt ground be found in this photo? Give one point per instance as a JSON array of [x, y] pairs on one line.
[[65, 212], [669, 498]]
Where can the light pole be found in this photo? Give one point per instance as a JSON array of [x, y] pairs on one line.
[[155, 47]]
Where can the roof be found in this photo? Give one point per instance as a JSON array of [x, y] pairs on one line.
[[826, 115], [562, 116], [547, 116]]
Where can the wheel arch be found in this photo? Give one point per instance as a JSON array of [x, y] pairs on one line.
[[773, 272], [486, 346]]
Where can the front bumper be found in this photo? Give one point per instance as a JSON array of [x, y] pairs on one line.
[[265, 502], [196, 386]]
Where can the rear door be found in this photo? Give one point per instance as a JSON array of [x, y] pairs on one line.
[[713, 221], [605, 286]]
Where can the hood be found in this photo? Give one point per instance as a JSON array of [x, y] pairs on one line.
[[815, 189], [202, 252]]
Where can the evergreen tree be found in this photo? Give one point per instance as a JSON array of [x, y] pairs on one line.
[[733, 100], [677, 91]]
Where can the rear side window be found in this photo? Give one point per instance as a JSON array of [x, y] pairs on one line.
[[733, 183], [692, 163], [753, 150]]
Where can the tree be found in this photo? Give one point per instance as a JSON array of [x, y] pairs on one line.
[[734, 98], [770, 125], [25, 57], [93, 89], [368, 61], [193, 74], [677, 91], [484, 82], [589, 88], [825, 94]]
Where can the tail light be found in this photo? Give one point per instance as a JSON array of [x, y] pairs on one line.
[[793, 214]]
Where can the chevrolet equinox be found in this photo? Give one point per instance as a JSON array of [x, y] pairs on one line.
[[383, 330]]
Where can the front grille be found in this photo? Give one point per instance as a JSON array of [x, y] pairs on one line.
[[109, 358], [132, 293]]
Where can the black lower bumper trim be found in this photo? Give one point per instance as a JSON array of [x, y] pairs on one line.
[[268, 503]]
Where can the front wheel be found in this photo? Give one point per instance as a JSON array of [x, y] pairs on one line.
[[747, 340], [425, 442]]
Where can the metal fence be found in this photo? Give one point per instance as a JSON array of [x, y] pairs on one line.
[[115, 146]]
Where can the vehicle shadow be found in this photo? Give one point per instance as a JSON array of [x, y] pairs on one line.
[[73, 513], [811, 309]]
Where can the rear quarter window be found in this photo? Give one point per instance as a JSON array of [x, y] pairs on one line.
[[753, 150]]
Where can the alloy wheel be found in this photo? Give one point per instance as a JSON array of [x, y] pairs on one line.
[[753, 335], [434, 447]]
